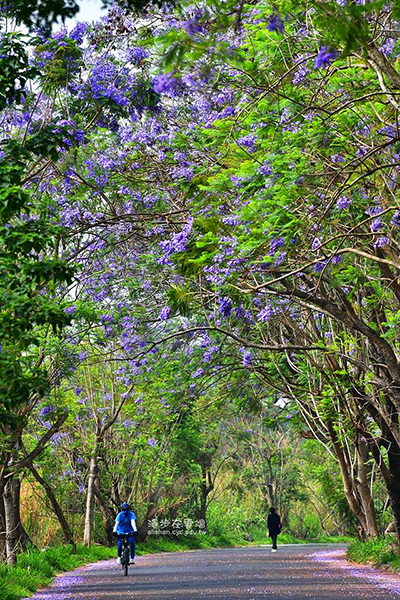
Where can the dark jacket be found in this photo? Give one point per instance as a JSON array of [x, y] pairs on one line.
[[274, 523]]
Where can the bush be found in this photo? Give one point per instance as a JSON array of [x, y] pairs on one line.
[[378, 552]]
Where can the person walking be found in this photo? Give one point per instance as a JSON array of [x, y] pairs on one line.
[[274, 527]]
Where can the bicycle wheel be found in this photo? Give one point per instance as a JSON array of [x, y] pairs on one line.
[[126, 561]]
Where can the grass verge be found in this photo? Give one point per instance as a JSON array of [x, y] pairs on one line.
[[37, 568], [382, 551]]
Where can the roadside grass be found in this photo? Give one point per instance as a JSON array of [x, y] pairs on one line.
[[382, 551], [37, 568]]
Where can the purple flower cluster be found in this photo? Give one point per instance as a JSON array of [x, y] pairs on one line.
[[168, 84], [274, 244], [249, 141], [300, 74], [176, 243], [225, 307], [343, 203], [275, 23], [78, 32], [193, 26], [198, 373], [247, 356], [325, 58], [376, 225], [265, 168], [165, 313], [396, 219]]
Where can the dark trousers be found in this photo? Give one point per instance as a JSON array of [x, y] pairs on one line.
[[274, 537], [132, 545]]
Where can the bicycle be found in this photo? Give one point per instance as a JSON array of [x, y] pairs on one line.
[[126, 551]]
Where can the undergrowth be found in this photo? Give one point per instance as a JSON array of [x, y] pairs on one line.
[[382, 551]]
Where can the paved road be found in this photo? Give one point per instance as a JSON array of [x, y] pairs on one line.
[[293, 573]]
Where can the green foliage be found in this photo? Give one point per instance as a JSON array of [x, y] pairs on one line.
[[382, 551], [15, 69]]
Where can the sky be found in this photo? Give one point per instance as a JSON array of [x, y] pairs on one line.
[[90, 10]]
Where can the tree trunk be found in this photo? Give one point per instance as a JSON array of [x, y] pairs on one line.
[[16, 536], [3, 553], [269, 485], [206, 487], [151, 512], [393, 486], [67, 533], [106, 512], [364, 490], [87, 534], [350, 490]]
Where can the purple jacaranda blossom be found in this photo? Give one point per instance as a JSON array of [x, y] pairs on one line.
[[300, 74], [376, 225], [80, 460], [316, 243], [265, 314], [337, 158], [46, 410], [343, 203], [248, 141], [78, 32], [265, 168], [388, 47], [325, 58], [280, 259], [374, 209], [225, 307], [177, 242], [381, 241], [70, 310], [198, 373], [239, 311], [78, 391], [389, 131], [275, 23], [152, 442], [337, 259], [165, 313], [396, 219], [274, 244], [320, 266], [192, 26], [247, 357], [136, 54], [168, 84], [81, 491]]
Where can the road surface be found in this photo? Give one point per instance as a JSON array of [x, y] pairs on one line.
[[299, 572]]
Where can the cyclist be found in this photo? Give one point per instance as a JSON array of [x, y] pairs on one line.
[[125, 522]]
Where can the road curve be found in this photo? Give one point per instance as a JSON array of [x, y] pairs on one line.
[[294, 573]]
